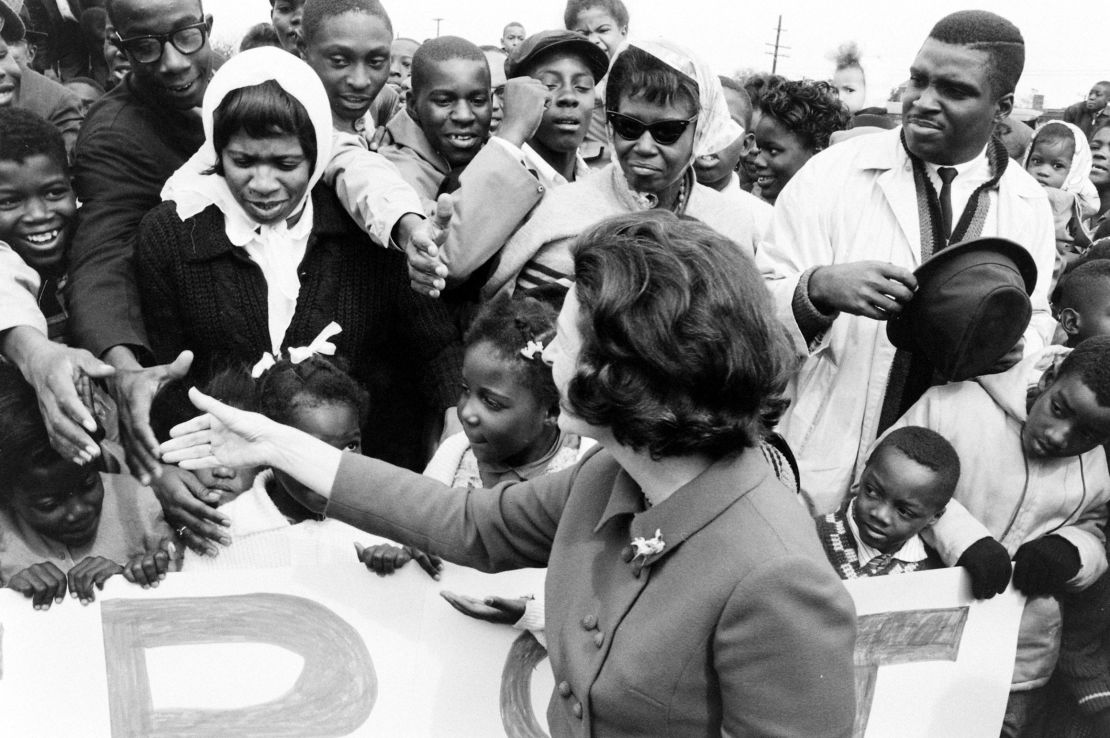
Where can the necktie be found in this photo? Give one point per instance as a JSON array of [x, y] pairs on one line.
[[946, 174]]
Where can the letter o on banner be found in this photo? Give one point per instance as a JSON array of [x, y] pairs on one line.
[[333, 695]]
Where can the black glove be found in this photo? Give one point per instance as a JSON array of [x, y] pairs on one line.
[[1044, 566], [988, 563]]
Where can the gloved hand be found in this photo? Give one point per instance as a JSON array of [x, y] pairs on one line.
[[988, 563], [1044, 566]]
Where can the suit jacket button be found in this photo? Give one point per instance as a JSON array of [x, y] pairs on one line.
[[541, 189], [599, 639], [577, 710], [589, 622], [564, 689]]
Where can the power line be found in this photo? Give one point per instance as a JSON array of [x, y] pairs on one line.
[[777, 48]]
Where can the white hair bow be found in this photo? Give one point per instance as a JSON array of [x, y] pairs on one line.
[[320, 345]]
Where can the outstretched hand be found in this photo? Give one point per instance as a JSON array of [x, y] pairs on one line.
[[423, 243], [222, 436], [491, 609], [134, 392]]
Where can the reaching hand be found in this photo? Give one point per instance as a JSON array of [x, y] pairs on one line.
[[62, 378], [422, 242], [223, 436], [491, 609], [873, 289], [134, 391]]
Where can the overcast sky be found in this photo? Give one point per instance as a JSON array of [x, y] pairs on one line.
[[1067, 41]]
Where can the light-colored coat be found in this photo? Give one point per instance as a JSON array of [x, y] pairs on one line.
[[856, 201], [566, 212], [739, 627], [1015, 498]]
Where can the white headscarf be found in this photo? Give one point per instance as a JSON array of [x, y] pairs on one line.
[[193, 190], [714, 129], [277, 248], [1078, 182]]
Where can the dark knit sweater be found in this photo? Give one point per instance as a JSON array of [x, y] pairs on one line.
[[200, 292]]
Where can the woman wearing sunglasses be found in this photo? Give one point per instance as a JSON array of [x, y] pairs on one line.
[[665, 108]]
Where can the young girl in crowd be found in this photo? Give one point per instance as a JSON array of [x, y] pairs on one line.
[[797, 120], [63, 525], [508, 407], [1060, 160], [849, 80], [312, 394]]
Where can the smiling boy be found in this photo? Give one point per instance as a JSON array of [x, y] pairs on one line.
[[548, 106], [446, 118]]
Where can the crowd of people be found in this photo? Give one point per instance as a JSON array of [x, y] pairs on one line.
[[700, 346]]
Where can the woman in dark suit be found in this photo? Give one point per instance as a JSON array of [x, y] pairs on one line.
[[686, 592]]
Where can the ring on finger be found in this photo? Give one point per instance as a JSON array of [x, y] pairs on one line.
[[181, 531]]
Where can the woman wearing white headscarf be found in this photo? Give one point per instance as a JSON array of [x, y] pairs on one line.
[[249, 255], [665, 108]]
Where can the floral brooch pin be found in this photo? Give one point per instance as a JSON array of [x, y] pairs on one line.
[[647, 547]]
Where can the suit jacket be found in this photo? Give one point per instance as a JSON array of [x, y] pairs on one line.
[[202, 293], [738, 627], [856, 201]]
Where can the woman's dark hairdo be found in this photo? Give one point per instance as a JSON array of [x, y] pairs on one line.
[[316, 381], [681, 350], [264, 110], [638, 74], [508, 324], [812, 111]]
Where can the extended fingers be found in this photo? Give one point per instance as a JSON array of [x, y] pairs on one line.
[[433, 565]]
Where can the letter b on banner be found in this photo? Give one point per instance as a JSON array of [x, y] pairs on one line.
[[333, 695]]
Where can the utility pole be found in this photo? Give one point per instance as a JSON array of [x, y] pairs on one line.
[[777, 47], [438, 21]]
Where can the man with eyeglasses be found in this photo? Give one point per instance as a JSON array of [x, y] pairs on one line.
[[132, 141]]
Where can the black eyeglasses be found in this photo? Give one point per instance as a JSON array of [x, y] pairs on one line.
[[665, 132], [148, 49]]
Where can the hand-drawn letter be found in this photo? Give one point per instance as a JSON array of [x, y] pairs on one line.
[[901, 637], [333, 695]]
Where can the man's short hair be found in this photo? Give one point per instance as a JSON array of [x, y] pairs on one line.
[[318, 11], [614, 8], [513, 24], [998, 37], [437, 50], [1087, 278]]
